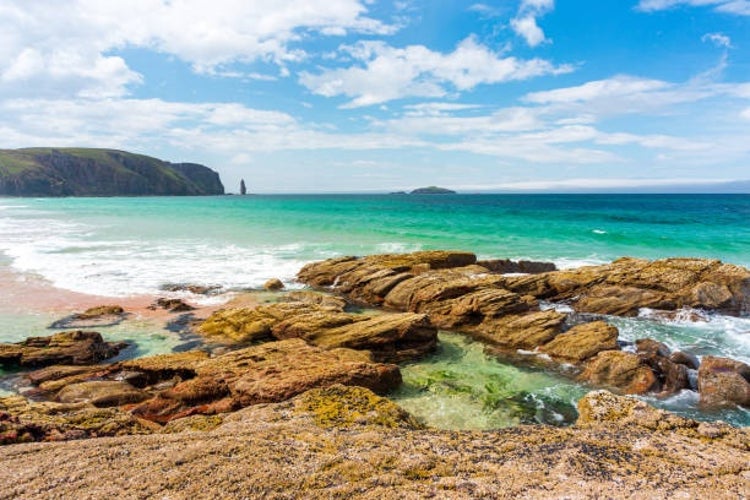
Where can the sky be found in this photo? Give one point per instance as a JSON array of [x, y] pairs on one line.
[[364, 95]]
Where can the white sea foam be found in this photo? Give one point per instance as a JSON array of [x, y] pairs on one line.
[[712, 334], [565, 263], [599, 231], [70, 257]]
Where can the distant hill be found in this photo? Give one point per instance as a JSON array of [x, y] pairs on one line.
[[100, 172], [432, 190]]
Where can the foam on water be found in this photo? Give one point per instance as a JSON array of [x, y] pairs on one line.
[[695, 332]]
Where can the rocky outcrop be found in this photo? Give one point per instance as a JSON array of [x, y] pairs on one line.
[[346, 442], [71, 348], [389, 337], [627, 285], [100, 172], [724, 382], [459, 293], [166, 387]]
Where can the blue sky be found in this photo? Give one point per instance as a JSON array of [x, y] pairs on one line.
[[362, 95]]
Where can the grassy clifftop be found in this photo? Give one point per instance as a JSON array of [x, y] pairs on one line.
[[99, 172]]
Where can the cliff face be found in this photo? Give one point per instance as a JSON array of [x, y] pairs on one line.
[[100, 172]]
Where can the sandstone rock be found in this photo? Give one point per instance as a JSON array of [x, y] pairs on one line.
[[107, 315], [101, 393], [274, 371], [341, 407], [246, 324], [583, 341], [526, 331], [347, 443], [506, 266], [626, 285], [672, 377], [72, 348], [685, 358], [391, 337], [22, 421], [723, 382], [273, 284], [192, 288], [623, 371], [172, 305], [324, 300]]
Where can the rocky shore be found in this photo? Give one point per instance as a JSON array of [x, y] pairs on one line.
[[284, 399]]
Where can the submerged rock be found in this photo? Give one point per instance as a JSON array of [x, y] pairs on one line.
[[71, 348], [108, 315], [172, 305], [723, 382]]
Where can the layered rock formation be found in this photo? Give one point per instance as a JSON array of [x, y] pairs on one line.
[[457, 293], [71, 348], [345, 442], [324, 323], [100, 172]]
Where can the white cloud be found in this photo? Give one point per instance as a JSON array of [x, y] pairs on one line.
[[745, 114], [718, 39], [616, 87], [391, 73], [736, 7], [525, 22], [63, 47]]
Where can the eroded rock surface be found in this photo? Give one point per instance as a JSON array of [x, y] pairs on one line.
[[70, 348], [389, 337], [107, 315], [346, 442], [165, 387], [724, 382]]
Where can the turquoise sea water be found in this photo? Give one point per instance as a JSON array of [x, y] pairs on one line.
[[125, 246]]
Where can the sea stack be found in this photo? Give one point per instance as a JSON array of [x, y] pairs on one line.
[[243, 189]]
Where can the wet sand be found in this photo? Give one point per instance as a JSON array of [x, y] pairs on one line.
[[29, 294]]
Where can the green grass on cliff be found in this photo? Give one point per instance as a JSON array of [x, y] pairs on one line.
[[47, 171]]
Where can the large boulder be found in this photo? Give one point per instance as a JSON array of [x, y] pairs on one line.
[[583, 341], [622, 371], [723, 382], [71, 348]]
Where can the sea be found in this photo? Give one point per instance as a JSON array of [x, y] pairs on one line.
[[121, 247]]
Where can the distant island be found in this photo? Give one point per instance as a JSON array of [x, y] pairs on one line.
[[432, 190], [100, 172]]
